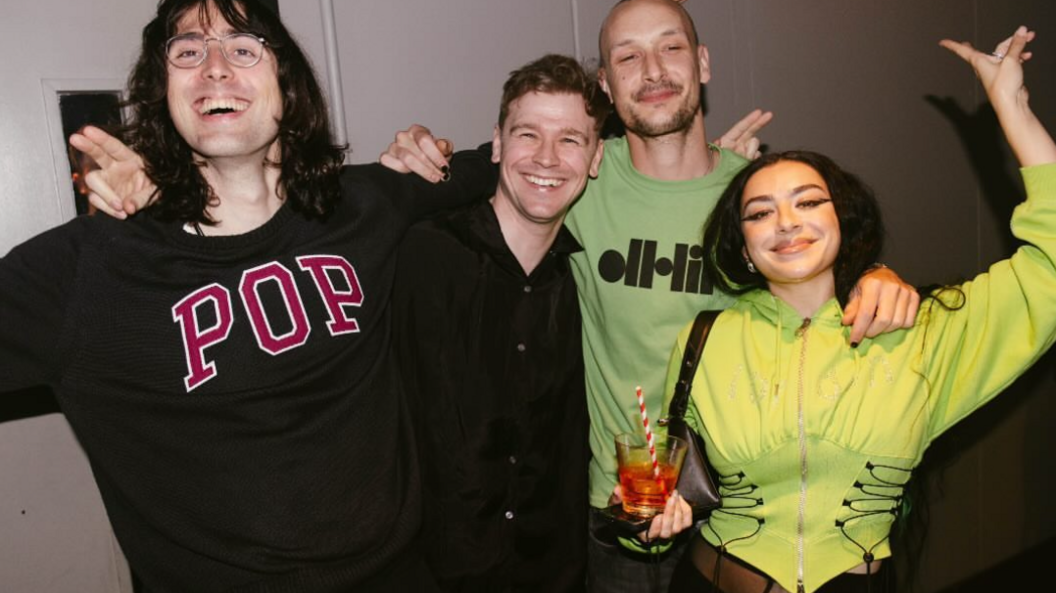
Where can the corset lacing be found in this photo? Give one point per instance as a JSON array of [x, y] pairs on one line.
[[866, 500], [738, 496]]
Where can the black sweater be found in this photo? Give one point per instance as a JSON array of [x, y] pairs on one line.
[[235, 395]]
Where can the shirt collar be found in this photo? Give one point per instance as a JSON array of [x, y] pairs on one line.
[[480, 224]]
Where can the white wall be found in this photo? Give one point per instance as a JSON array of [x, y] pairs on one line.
[[437, 63]]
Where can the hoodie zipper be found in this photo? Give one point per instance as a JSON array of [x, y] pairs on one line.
[[802, 427]]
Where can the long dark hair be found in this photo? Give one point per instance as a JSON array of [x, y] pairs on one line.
[[309, 160], [861, 227]]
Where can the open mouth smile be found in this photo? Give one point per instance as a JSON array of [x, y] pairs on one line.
[[210, 106], [546, 182]]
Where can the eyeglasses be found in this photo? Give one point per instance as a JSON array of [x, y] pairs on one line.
[[190, 49]]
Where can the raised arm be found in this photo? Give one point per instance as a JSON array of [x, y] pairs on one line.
[[120, 186], [881, 302], [1002, 321], [1001, 74]]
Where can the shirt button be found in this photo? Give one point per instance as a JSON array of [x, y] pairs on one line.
[[527, 288], [513, 460], [521, 347], [509, 514]]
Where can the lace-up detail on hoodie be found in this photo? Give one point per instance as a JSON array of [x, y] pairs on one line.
[[876, 493]]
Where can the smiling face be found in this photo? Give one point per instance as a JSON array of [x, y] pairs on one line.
[[791, 231], [546, 149], [221, 110], [653, 67]]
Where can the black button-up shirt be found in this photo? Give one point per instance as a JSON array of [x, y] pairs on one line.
[[493, 363]]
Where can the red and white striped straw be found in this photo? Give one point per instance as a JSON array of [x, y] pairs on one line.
[[648, 432]]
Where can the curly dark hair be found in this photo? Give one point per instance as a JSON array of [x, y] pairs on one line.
[[551, 74], [861, 227], [310, 161]]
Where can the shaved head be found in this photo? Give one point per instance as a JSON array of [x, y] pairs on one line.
[[630, 6]]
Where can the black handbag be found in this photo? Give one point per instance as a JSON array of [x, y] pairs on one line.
[[695, 482]]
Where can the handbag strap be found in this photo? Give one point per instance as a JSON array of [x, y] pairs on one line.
[[694, 347]]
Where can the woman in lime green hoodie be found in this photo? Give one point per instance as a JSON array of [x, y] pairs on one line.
[[815, 440]]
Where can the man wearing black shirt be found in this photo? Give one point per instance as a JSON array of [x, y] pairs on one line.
[[488, 331]]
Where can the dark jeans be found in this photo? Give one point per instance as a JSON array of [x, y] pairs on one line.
[[611, 568]]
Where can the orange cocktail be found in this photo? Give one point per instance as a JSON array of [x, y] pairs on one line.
[[645, 489]]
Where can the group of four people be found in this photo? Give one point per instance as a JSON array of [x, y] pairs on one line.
[[302, 377]]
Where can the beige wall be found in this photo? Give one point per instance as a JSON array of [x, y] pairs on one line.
[[846, 78]]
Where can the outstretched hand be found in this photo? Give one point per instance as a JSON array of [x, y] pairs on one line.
[[416, 150], [120, 186], [1001, 71], [741, 138], [1001, 74]]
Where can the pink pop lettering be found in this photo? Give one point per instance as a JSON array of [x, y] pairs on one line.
[[262, 327], [196, 338], [336, 299]]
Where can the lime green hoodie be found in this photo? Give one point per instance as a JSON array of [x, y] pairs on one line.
[[814, 440]]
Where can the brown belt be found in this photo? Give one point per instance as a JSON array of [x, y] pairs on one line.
[[737, 576]]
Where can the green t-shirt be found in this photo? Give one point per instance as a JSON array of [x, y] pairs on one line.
[[639, 282]]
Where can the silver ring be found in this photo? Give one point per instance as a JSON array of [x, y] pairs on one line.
[[998, 55]]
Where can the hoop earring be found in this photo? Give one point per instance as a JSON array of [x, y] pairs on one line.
[[751, 266]]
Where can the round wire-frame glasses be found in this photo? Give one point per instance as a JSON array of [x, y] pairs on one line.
[[191, 49]]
